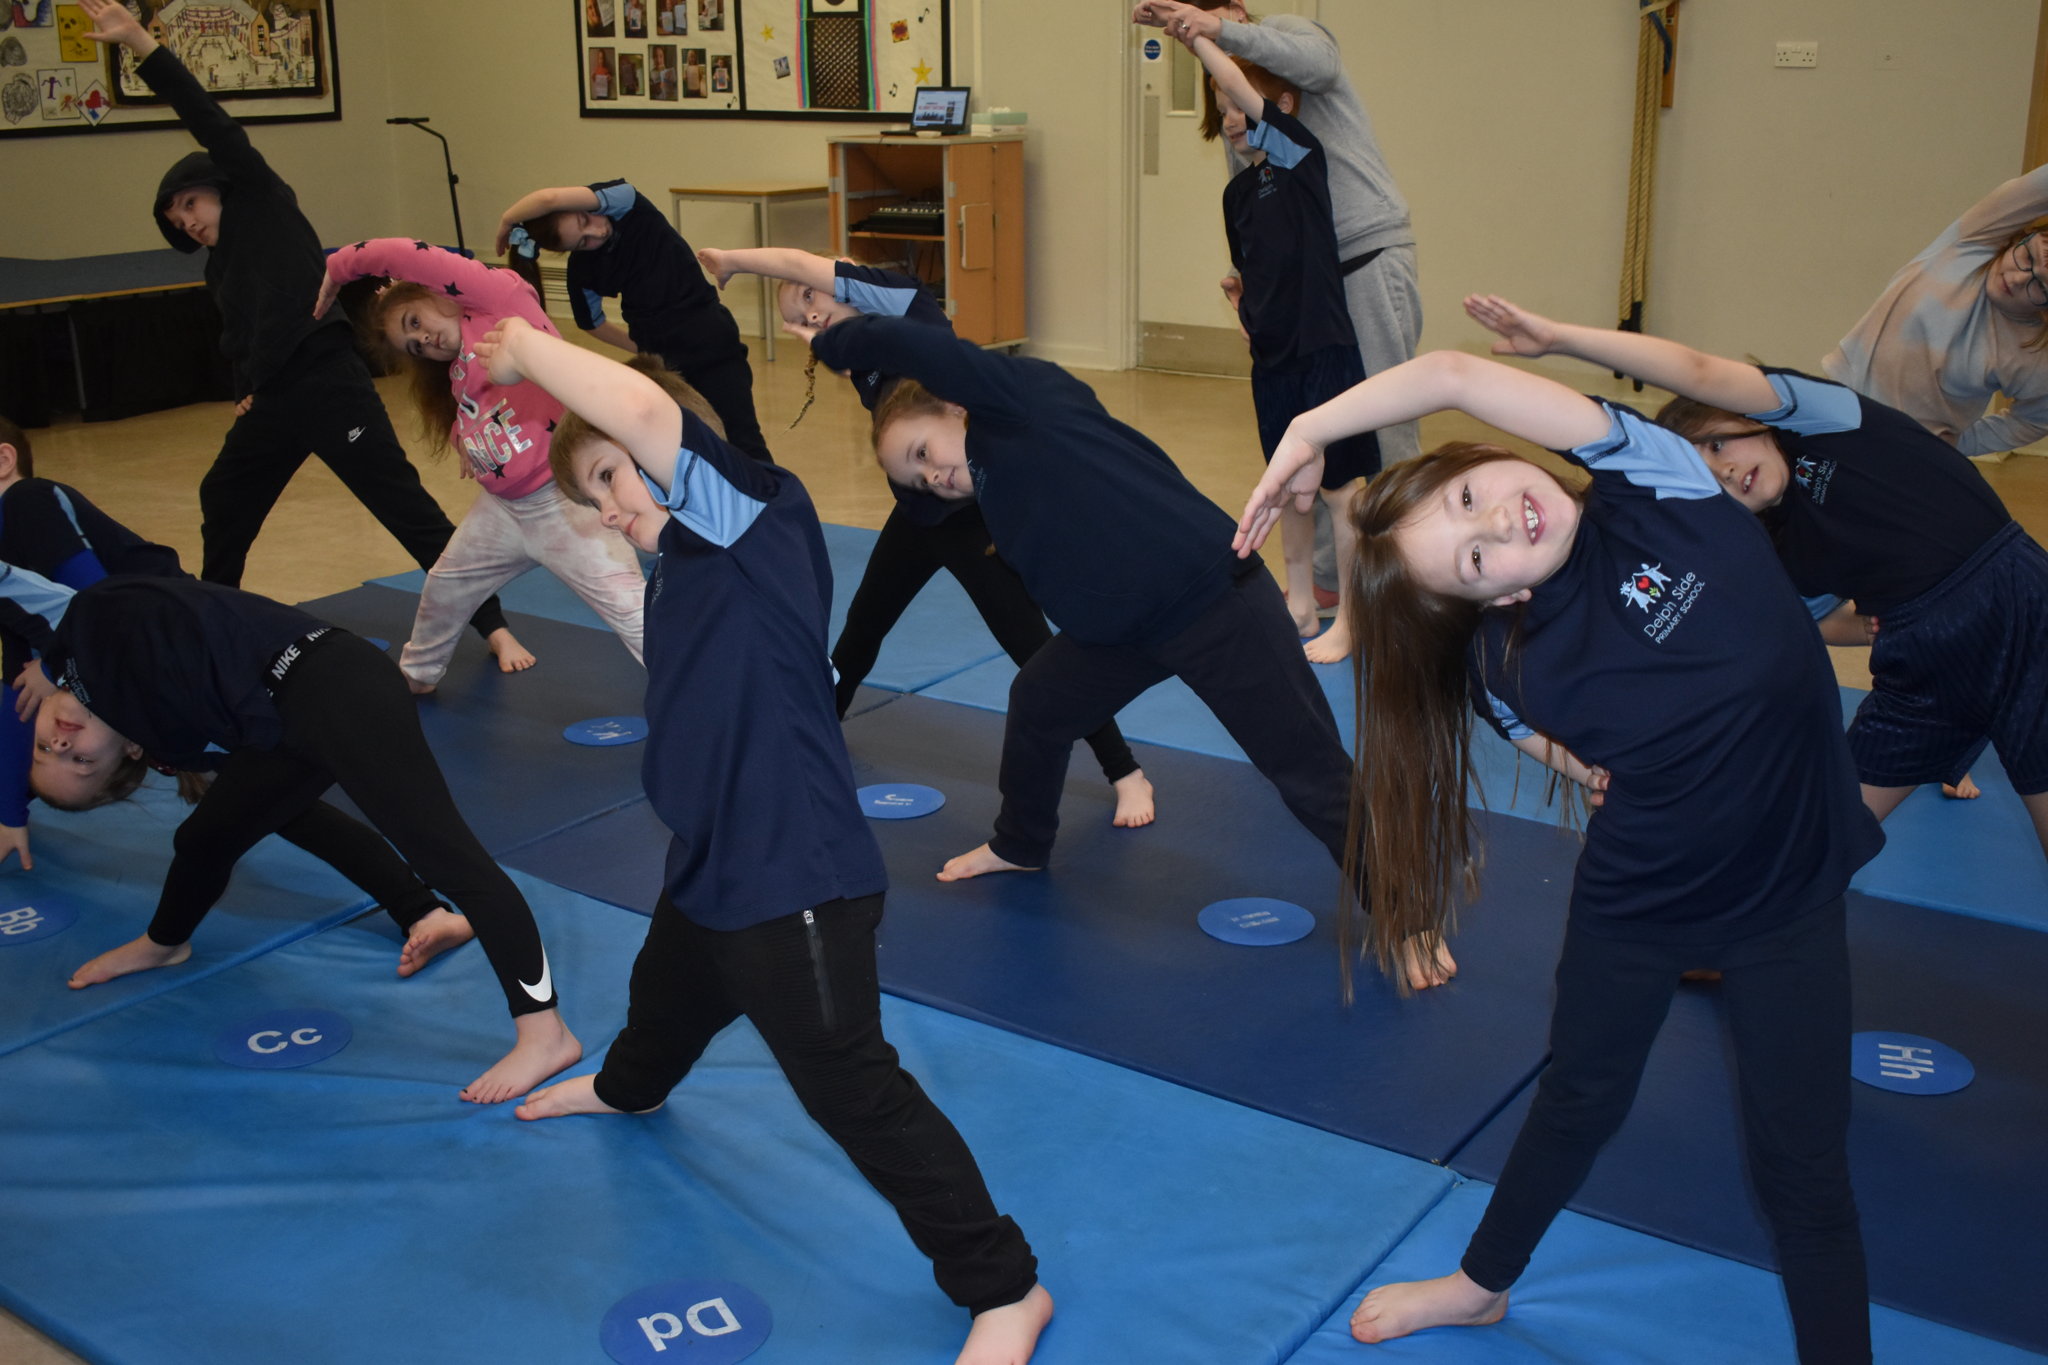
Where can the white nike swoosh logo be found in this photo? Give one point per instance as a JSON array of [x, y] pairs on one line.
[[545, 987]]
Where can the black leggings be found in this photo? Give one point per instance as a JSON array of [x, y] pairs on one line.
[[323, 404], [807, 982], [1241, 657], [728, 386], [1787, 998], [349, 720], [904, 559]]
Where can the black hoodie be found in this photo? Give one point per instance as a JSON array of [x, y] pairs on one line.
[[267, 265]]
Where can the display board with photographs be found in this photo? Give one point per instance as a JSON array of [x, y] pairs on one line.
[[830, 59], [268, 62]]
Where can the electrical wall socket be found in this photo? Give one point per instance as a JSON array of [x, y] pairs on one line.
[[1796, 54]]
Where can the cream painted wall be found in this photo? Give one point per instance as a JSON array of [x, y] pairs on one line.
[[106, 181], [1785, 200]]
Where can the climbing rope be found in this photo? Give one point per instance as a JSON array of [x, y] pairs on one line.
[[1653, 61]]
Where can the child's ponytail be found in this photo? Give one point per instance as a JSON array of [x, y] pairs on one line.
[[522, 252]]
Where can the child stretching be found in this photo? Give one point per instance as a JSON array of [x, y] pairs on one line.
[[1130, 562], [1866, 504], [177, 672], [54, 531], [1643, 638], [431, 315], [1276, 216], [774, 884], [621, 246], [923, 534], [302, 385]]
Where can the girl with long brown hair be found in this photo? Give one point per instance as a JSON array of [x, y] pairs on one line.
[[1642, 637], [438, 306]]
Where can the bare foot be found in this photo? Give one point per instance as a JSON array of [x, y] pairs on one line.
[[1133, 800], [1332, 646], [1424, 971], [974, 864], [432, 934], [1008, 1335], [545, 1046], [1962, 789], [1306, 623], [577, 1095], [1395, 1310], [512, 656], [137, 955]]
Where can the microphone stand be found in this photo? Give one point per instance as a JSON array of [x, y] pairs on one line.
[[449, 162]]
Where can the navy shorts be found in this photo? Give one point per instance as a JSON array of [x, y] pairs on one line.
[[1282, 393], [1964, 661]]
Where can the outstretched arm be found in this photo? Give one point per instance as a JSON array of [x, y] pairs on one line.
[[538, 202], [626, 405], [160, 69], [112, 23], [1704, 378], [1228, 75], [776, 262], [1519, 403]]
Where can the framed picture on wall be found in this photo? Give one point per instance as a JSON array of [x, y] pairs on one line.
[[267, 62], [796, 59]]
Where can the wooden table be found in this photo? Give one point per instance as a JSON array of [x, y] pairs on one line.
[[763, 195]]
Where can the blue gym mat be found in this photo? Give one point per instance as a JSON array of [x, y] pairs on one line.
[[1102, 954], [109, 865], [1596, 1294], [1952, 1188], [498, 736], [939, 635], [356, 1210]]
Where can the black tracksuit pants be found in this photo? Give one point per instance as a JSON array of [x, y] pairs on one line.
[[350, 721], [322, 403], [727, 384], [904, 559], [808, 983], [1787, 997], [1241, 657]]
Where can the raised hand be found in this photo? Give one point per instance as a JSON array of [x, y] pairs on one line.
[[330, 290], [1521, 332], [112, 23], [497, 347]]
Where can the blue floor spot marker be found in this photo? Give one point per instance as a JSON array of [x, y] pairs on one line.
[[34, 919], [1908, 1064], [708, 1322], [279, 1039], [1256, 921], [604, 731], [899, 800]]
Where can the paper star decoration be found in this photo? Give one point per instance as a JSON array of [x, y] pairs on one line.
[[768, 34], [923, 72]]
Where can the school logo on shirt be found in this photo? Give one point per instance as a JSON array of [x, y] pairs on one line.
[[1813, 476], [1664, 599], [1266, 185], [1645, 585]]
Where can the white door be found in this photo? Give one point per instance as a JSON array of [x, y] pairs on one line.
[[1181, 252]]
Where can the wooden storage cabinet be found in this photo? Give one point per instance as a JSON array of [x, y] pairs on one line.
[[977, 264]]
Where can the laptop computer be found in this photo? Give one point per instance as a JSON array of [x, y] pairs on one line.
[[936, 111]]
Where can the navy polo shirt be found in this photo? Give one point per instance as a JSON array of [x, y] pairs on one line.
[[1670, 649], [1283, 241], [745, 763], [668, 305], [883, 293], [1878, 508]]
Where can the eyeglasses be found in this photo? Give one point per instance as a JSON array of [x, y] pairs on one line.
[[2035, 291]]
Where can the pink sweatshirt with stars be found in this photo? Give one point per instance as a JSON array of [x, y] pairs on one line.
[[502, 430]]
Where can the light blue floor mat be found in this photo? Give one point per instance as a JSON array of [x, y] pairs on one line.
[[1597, 1294]]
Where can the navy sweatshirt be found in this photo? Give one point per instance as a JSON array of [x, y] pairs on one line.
[[1670, 649], [1878, 509], [1276, 218], [267, 266], [745, 760], [1108, 535], [669, 307]]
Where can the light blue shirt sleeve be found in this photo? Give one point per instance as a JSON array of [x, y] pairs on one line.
[[1280, 149], [34, 593], [1811, 407], [705, 501], [1823, 606], [873, 299], [1648, 456], [593, 308], [1504, 715], [614, 200]]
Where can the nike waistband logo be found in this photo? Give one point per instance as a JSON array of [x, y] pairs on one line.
[[545, 988]]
